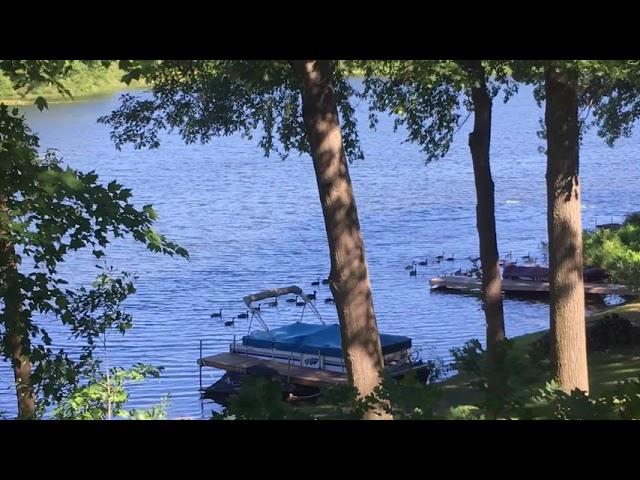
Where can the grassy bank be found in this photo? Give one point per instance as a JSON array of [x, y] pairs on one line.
[[83, 81], [606, 368]]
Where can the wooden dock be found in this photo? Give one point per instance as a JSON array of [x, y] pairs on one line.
[[312, 377], [525, 286]]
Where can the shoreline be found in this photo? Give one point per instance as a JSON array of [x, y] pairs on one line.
[[57, 98]]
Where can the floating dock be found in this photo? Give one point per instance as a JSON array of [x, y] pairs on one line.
[[311, 377], [455, 282]]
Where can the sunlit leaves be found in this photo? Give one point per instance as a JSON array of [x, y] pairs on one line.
[[616, 251], [106, 394]]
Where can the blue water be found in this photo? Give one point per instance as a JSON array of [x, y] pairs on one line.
[[251, 223]]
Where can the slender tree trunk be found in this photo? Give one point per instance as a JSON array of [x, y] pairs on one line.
[[15, 327], [349, 277], [569, 349], [479, 143]]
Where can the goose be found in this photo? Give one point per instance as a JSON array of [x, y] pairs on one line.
[[424, 262], [410, 267], [527, 256], [300, 304], [450, 259], [244, 315], [312, 296], [458, 272], [257, 307], [219, 314], [291, 300], [325, 281], [228, 323], [474, 259], [413, 272], [313, 284], [274, 303], [440, 257], [329, 300], [504, 261]]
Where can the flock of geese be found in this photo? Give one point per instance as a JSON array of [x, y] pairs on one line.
[[413, 272], [508, 260], [299, 303]]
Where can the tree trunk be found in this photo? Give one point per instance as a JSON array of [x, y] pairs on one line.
[[16, 334], [566, 287], [349, 277], [479, 143]]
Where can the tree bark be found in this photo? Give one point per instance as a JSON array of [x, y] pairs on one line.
[[16, 334], [349, 277], [567, 310], [479, 144]]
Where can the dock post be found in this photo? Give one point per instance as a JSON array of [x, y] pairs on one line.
[[200, 366]]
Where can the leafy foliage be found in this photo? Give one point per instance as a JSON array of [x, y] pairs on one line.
[[27, 75], [407, 398], [207, 99], [46, 212], [550, 402], [526, 401], [608, 92], [258, 399], [428, 97], [616, 251], [104, 397], [98, 393], [509, 374]]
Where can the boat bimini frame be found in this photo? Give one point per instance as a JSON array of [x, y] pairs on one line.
[[275, 293]]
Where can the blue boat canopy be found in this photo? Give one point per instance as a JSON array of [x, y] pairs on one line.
[[313, 339]]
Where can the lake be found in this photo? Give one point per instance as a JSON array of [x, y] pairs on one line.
[[251, 223]]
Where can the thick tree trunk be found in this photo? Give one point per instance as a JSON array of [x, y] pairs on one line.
[[15, 328], [479, 143], [349, 277], [567, 310]]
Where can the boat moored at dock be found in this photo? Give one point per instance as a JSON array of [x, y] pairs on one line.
[[305, 357]]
